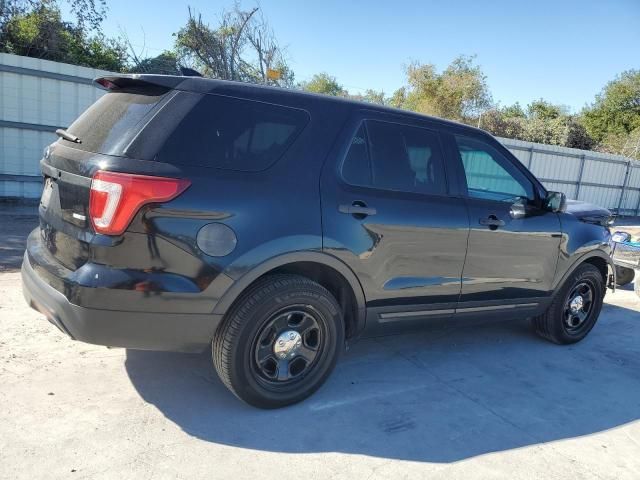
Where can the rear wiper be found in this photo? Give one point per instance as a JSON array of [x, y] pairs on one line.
[[67, 136]]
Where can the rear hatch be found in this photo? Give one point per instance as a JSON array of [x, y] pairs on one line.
[[105, 134]]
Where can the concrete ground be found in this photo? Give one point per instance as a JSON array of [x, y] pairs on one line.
[[484, 401]]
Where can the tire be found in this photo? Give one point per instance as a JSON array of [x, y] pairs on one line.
[[556, 324], [624, 275], [255, 352]]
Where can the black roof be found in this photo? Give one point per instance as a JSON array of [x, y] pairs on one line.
[[211, 85]]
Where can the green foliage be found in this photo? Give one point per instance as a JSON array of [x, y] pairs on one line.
[[164, 64], [325, 84], [541, 122], [576, 135], [503, 124], [89, 14], [42, 33], [241, 47], [371, 96], [545, 111], [513, 111], [460, 92], [398, 99], [615, 115]]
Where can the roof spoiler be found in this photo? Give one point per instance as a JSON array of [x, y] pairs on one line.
[[117, 82]]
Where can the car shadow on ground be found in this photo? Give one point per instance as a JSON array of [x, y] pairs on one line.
[[14, 231], [439, 395]]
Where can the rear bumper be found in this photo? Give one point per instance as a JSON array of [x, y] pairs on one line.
[[129, 329]]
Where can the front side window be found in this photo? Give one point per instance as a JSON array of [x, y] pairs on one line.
[[490, 175], [396, 157]]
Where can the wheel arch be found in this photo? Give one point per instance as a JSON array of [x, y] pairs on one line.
[[597, 258], [325, 269]]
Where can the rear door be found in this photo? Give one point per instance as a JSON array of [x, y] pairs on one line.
[[513, 242], [390, 214]]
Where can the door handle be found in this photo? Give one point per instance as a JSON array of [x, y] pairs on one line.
[[492, 222], [357, 208]]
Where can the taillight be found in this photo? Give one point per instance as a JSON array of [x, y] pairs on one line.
[[116, 197]]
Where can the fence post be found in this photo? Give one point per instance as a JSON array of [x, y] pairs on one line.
[[530, 158], [624, 185], [579, 184]]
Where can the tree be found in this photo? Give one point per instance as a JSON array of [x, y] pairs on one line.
[[541, 122], [631, 147], [459, 93], [89, 13], [371, 96], [398, 99], [241, 47], [325, 84], [576, 135], [543, 110], [164, 64], [503, 124], [513, 111], [615, 114], [41, 32]]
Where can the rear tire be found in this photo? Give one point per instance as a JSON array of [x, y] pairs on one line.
[[575, 308], [624, 275], [279, 342]]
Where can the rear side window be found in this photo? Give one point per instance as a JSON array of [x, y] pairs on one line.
[[357, 167], [397, 157], [234, 134], [112, 121]]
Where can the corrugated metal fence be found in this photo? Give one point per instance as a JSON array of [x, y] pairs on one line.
[[603, 179], [38, 96]]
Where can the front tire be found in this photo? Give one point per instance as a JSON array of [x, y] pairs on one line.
[[575, 308], [279, 342]]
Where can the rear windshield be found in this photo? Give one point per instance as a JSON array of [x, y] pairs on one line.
[[234, 134], [109, 124]]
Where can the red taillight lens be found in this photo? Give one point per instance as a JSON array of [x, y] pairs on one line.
[[116, 197]]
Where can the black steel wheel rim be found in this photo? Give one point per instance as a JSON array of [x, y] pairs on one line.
[[578, 307], [288, 345]]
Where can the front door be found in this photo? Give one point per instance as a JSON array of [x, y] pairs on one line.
[[388, 213], [513, 242]]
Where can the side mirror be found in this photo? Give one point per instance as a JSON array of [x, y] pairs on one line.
[[518, 210], [555, 202]]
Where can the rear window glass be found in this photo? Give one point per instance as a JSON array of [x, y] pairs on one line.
[[234, 134], [110, 123]]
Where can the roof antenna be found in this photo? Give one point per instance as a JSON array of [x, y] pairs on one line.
[[189, 72]]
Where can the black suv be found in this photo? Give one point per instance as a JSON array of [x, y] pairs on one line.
[[278, 226]]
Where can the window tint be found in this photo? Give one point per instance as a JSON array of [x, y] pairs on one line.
[[490, 175], [395, 157], [356, 168], [234, 134], [110, 123]]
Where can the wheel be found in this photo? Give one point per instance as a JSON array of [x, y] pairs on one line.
[[624, 275], [279, 342], [574, 309]]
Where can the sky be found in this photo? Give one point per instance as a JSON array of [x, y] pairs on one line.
[[564, 51]]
